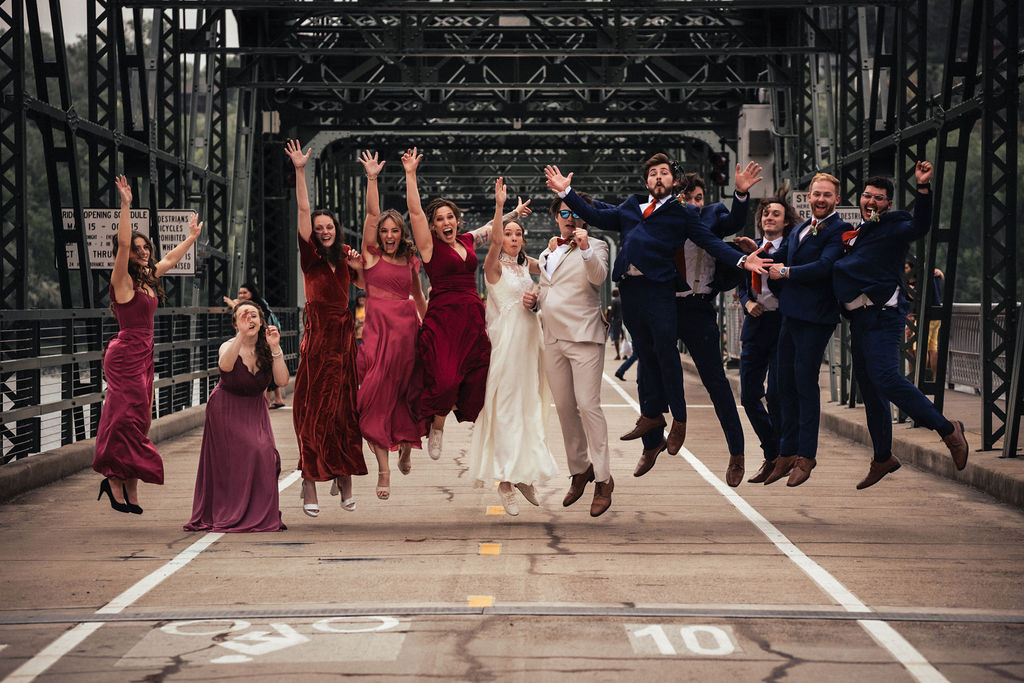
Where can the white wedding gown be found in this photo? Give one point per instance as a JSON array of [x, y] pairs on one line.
[[510, 440]]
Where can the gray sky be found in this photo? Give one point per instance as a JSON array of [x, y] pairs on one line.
[[74, 15]]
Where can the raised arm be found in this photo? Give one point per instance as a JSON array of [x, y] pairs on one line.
[[417, 219], [492, 266], [481, 234], [172, 257], [299, 159], [373, 168], [922, 222], [279, 367], [120, 280]]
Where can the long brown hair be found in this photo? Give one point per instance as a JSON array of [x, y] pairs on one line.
[[264, 361], [332, 254], [436, 204], [405, 245], [137, 274]]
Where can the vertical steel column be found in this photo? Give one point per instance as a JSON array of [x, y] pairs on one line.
[[1000, 138], [217, 217]]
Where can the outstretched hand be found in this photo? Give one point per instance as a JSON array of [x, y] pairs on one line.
[[748, 177], [523, 208], [294, 151], [555, 180], [273, 338], [370, 163], [500, 193], [411, 160], [194, 226], [124, 189], [756, 264], [746, 245]]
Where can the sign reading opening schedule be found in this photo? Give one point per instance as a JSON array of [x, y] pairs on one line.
[[101, 231]]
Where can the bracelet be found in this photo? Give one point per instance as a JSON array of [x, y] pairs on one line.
[[924, 186], [277, 355], [371, 177]]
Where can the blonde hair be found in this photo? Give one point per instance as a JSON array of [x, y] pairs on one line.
[[824, 177]]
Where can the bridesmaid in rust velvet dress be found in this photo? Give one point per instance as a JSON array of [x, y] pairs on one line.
[[236, 484], [453, 345], [124, 454], [324, 407], [388, 398]]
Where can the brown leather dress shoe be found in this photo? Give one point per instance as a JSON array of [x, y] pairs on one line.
[[602, 497], [766, 469], [676, 436], [644, 425], [648, 458], [801, 471], [956, 442], [577, 484], [783, 464], [879, 470], [734, 472]]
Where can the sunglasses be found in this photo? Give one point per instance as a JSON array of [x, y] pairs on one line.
[[565, 213]]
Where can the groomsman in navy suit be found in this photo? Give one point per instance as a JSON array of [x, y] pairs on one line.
[[653, 225], [867, 282], [760, 336], [697, 285], [809, 316]]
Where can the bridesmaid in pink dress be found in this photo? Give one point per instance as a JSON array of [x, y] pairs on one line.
[[453, 345], [388, 399], [236, 483], [124, 454]]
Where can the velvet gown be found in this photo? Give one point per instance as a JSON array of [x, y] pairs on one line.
[[236, 484], [453, 344], [123, 449], [388, 398], [324, 407]]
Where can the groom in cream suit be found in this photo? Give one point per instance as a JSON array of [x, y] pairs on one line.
[[572, 271]]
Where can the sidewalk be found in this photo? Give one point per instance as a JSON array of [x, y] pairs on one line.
[[1001, 478]]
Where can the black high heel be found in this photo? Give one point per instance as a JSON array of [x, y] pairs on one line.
[[105, 488], [132, 507]]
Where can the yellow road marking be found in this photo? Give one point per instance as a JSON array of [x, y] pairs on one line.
[[490, 549], [495, 509], [481, 601]]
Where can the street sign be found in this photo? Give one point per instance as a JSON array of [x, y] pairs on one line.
[[101, 230]]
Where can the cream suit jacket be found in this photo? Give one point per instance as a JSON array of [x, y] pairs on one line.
[[570, 298]]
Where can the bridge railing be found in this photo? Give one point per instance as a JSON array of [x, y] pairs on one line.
[[51, 379]]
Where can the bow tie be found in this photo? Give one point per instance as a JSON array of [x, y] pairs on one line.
[[571, 242]]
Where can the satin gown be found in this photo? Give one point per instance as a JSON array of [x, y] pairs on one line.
[[453, 345], [123, 448], [510, 438], [388, 398], [324, 406], [236, 484]]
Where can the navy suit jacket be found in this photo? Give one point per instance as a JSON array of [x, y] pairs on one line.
[[806, 294], [649, 243], [874, 265], [751, 324]]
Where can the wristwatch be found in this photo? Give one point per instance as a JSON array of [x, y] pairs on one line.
[[743, 261], [783, 270]]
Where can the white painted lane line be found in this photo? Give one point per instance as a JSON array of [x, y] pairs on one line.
[[52, 653], [882, 633]]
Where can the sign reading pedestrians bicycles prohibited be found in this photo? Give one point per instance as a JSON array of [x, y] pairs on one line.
[[101, 228], [203, 642]]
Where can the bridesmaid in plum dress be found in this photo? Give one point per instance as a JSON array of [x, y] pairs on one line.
[[324, 403], [236, 485], [453, 346], [388, 398], [124, 454]]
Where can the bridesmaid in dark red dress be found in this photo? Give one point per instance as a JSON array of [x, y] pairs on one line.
[[324, 406], [453, 345], [124, 454], [236, 483]]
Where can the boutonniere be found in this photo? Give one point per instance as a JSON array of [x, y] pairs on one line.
[[874, 216], [814, 227]]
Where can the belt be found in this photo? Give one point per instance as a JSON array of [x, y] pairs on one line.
[[706, 296]]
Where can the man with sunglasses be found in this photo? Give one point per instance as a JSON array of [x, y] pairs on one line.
[[867, 282], [572, 270]]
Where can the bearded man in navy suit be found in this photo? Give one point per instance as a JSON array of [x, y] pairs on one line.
[[867, 282], [653, 225]]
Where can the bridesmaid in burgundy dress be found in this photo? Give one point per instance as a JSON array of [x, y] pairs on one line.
[[453, 344], [324, 405], [236, 485], [388, 398], [124, 454]]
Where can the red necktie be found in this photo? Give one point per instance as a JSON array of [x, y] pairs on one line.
[[814, 225], [847, 237], [755, 279], [569, 241], [650, 209]]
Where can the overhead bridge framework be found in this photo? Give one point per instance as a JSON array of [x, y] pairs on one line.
[[198, 119]]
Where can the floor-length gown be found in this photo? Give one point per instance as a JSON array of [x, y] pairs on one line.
[[388, 398], [509, 439], [123, 449], [324, 405], [236, 484], [453, 345]]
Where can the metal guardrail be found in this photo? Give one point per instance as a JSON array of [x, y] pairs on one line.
[[51, 378]]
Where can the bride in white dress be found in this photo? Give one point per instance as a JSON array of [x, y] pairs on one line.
[[510, 442]]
